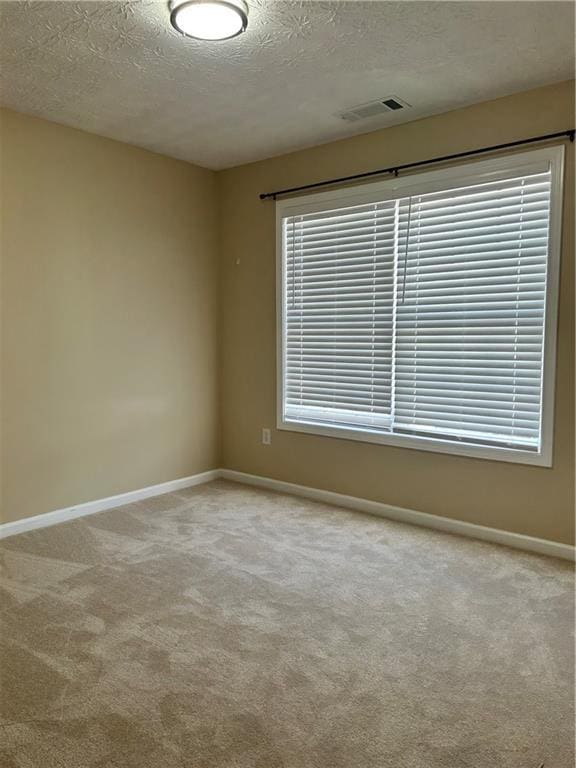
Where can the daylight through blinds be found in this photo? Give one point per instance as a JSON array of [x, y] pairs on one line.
[[422, 315]]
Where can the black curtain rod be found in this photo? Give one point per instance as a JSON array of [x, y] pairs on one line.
[[396, 168]]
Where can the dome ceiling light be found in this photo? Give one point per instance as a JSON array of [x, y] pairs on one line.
[[209, 19]]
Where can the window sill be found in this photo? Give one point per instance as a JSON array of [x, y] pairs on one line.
[[434, 445]]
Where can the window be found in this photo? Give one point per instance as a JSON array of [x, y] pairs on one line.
[[421, 311]]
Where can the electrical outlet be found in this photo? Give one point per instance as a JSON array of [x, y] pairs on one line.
[[266, 436]]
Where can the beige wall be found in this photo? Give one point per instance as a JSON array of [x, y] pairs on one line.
[[109, 317], [531, 500]]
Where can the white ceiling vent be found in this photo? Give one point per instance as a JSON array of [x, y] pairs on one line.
[[374, 109]]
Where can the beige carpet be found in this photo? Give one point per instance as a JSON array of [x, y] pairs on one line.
[[227, 627]]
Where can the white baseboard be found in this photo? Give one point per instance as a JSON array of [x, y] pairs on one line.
[[448, 525], [90, 507], [459, 527]]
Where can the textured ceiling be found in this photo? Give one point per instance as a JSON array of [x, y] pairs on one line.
[[119, 70]]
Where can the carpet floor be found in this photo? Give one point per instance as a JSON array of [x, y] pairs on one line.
[[229, 627]]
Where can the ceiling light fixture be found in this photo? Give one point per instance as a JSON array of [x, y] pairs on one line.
[[209, 19]]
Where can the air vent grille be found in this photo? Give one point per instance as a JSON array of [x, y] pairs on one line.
[[393, 104], [374, 109]]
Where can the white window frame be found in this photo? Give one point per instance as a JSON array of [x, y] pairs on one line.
[[420, 183]]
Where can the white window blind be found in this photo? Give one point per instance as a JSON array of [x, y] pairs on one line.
[[470, 319], [421, 315], [339, 315]]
